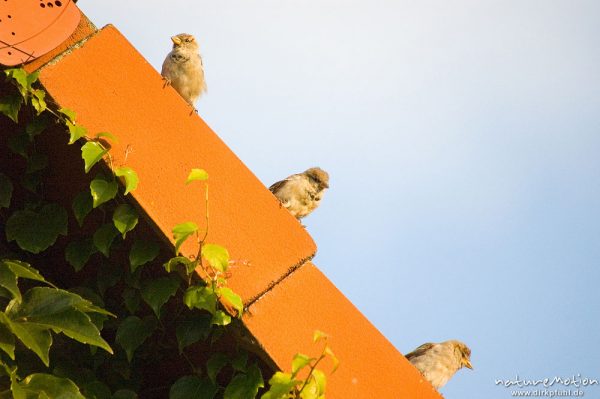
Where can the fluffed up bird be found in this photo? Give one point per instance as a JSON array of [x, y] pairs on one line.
[[183, 68], [301, 193], [439, 362]]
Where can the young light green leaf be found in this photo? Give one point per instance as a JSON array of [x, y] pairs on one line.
[[310, 390], [91, 153], [82, 206], [107, 135], [103, 238], [34, 231], [280, 385], [10, 106], [232, 299], [142, 252], [192, 386], [192, 329], [299, 362], [200, 297], [78, 252], [245, 386], [221, 318], [20, 77], [319, 335], [321, 381], [69, 114], [217, 256], [75, 132], [333, 358], [125, 218], [38, 100], [132, 332], [6, 189], [181, 232], [130, 177], [196, 174], [102, 191], [158, 291]]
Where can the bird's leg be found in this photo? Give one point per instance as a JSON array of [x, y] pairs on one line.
[[167, 81]]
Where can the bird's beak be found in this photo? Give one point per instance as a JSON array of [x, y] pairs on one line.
[[326, 185], [467, 363], [176, 41]]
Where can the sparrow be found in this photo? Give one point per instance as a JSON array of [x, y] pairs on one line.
[[183, 68], [301, 193], [439, 362]]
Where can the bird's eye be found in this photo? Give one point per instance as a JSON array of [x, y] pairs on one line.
[[188, 40]]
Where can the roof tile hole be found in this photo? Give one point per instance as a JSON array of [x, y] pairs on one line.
[[58, 3], [50, 5], [43, 5]]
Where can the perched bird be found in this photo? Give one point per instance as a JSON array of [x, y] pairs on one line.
[[301, 193], [183, 68], [439, 362]]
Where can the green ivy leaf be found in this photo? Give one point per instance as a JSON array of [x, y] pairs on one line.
[[280, 385], [197, 174], [299, 362], [232, 298], [11, 105], [200, 297], [131, 299], [36, 126], [142, 252], [7, 340], [36, 162], [221, 318], [82, 206], [34, 337], [38, 100], [91, 153], [191, 386], [6, 189], [49, 386], [69, 114], [22, 270], [192, 329], [124, 394], [158, 291], [239, 362], [214, 365], [245, 386], [125, 218], [130, 177], [181, 232], [75, 132], [102, 191], [171, 265], [132, 332], [78, 252], [18, 144], [8, 280], [19, 75], [216, 256], [103, 238], [35, 231]]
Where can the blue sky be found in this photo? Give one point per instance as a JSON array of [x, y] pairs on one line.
[[462, 139]]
